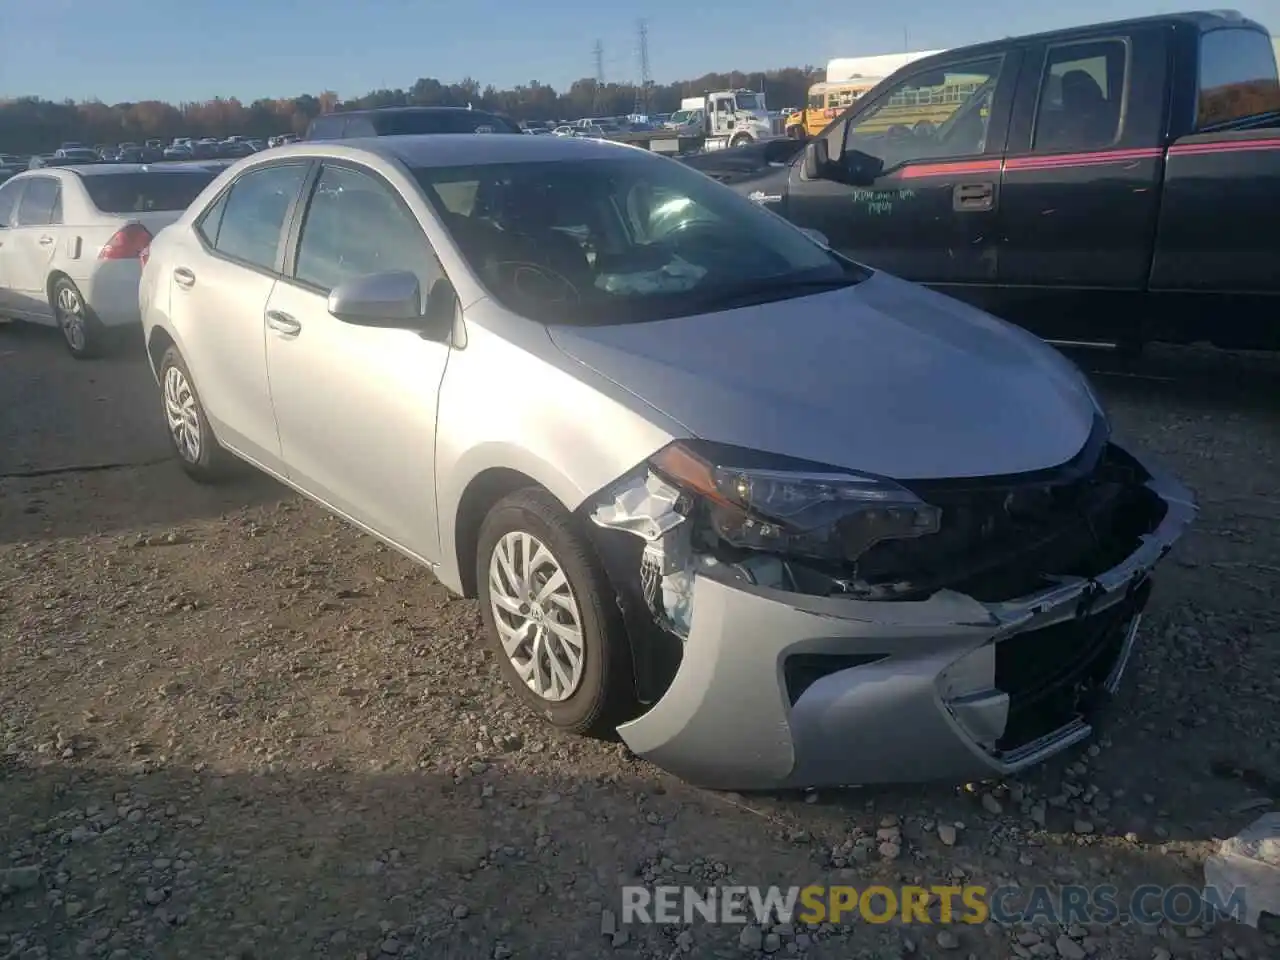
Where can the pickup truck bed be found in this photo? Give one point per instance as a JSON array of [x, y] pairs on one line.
[[1085, 183]]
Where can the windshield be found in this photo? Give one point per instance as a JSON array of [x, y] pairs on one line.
[[681, 117], [748, 101], [147, 192], [623, 239]]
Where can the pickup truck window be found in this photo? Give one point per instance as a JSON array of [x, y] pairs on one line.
[[939, 113], [1082, 93], [1237, 76]]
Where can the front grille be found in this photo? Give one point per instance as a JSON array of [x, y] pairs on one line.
[[1056, 675]]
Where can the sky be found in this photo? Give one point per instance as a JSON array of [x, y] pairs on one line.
[[126, 50]]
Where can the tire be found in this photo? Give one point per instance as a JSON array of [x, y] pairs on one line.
[[604, 692], [741, 140], [82, 332], [190, 434]]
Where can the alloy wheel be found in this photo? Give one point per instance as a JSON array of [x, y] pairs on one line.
[[71, 317], [182, 414], [537, 616]]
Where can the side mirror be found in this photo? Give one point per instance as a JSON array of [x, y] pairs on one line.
[[816, 159], [392, 299], [861, 169], [817, 236]]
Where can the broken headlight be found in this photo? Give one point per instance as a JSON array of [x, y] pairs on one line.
[[760, 502]]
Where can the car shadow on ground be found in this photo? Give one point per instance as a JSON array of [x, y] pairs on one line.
[[162, 858], [1202, 377]]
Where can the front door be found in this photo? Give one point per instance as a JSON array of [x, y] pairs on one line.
[[356, 405], [930, 214]]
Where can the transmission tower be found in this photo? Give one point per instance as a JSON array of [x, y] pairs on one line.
[[646, 80], [598, 53]]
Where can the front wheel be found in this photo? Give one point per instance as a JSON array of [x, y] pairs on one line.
[[198, 450], [741, 140], [549, 615]]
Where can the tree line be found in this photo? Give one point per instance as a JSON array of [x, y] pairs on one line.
[[33, 125]]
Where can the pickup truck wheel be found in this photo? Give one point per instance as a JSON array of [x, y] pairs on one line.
[[198, 450], [547, 610], [82, 332]]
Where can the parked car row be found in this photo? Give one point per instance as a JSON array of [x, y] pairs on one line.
[[72, 239]]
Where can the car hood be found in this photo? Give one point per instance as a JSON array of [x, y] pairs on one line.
[[884, 377]]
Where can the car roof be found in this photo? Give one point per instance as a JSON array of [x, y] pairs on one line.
[[109, 169], [380, 110], [463, 149], [1200, 20]]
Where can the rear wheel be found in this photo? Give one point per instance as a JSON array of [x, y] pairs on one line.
[[547, 609], [82, 332], [198, 450]]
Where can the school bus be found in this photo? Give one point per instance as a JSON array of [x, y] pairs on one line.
[[826, 102], [923, 105]]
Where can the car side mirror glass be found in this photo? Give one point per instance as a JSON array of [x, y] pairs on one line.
[[816, 159], [392, 299]]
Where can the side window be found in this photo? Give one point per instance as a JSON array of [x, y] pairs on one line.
[[1082, 94], [9, 202], [355, 225], [41, 203], [943, 112], [255, 211], [209, 222], [1237, 76]]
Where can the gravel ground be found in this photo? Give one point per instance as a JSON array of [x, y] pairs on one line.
[[230, 726]]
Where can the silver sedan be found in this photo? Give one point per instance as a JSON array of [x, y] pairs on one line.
[[773, 517]]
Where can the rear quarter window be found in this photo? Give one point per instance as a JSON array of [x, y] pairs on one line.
[[1238, 76], [327, 128], [146, 192]]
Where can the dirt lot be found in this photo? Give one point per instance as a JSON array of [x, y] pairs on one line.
[[230, 726]]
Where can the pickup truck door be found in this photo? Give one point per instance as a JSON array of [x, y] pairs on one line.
[[930, 214], [1081, 189]]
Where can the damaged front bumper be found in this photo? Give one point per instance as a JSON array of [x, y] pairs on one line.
[[777, 688]]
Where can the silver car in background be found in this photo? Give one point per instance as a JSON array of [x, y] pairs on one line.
[[774, 518]]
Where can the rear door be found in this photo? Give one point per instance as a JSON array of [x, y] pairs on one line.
[[33, 240], [1081, 188], [10, 194], [931, 214]]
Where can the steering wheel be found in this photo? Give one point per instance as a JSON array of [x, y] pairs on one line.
[[899, 131], [535, 281], [924, 128]]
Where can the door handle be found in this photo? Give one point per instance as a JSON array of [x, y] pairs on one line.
[[184, 278], [45, 241], [973, 197], [283, 324]]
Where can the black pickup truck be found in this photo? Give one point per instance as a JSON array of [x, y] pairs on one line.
[[1111, 184]]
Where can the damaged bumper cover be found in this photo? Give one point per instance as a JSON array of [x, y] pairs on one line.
[[778, 688]]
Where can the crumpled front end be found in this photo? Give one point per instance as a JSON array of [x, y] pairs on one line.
[[967, 650]]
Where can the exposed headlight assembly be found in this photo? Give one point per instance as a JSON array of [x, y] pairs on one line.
[[760, 502]]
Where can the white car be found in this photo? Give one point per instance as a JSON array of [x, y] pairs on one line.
[[72, 241]]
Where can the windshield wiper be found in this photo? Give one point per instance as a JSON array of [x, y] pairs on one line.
[[763, 291]]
